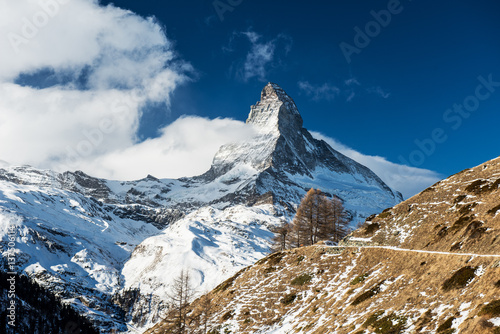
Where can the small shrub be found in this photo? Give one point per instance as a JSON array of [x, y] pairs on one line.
[[371, 228], [476, 230], [288, 299], [422, 322], [372, 318], [275, 258], [446, 325], [448, 331], [442, 232], [494, 210], [228, 315], [270, 269], [302, 279], [459, 199], [466, 209], [460, 279], [385, 214], [476, 187], [460, 223], [300, 259], [390, 324], [492, 309], [359, 279], [367, 294]]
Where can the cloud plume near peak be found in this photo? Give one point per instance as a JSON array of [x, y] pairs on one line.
[[106, 64], [407, 180]]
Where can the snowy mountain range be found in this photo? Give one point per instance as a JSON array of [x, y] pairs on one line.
[[111, 248]]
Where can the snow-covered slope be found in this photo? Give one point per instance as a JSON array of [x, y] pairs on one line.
[[112, 248], [91, 254]]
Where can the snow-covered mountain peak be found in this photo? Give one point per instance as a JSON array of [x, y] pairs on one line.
[[283, 161], [275, 113], [272, 92]]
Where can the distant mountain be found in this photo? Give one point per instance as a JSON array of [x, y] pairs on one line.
[[428, 265], [110, 249]]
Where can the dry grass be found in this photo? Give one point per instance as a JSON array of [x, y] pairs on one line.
[[401, 277], [471, 196]]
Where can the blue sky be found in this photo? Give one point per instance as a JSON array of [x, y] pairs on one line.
[[425, 60], [382, 81]]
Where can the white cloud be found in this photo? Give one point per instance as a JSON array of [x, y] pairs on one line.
[[408, 180], [319, 92], [185, 148], [262, 56], [113, 62]]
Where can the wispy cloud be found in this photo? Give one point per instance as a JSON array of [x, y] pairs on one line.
[[262, 56], [378, 91], [350, 95], [349, 89], [352, 82], [408, 180], [325, 91]]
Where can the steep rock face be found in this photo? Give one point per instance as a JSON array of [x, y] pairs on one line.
[[286, 161]]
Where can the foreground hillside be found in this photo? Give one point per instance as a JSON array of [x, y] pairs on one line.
[[428, 265], [321, 289], [459, 214]]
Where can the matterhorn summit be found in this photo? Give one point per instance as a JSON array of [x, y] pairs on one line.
[[276, 111], [284, 160], [111, 249]]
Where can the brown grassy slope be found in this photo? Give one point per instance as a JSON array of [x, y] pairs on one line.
[[401, 291], [459, 214]]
